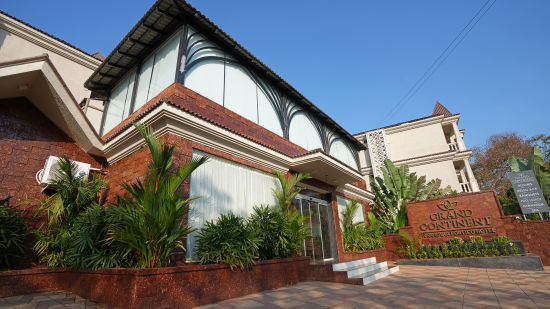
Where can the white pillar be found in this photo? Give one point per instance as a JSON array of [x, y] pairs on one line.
[[459, 140], [471, 177]]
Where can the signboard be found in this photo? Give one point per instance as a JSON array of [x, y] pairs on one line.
[[450, 220], [463, 215], [528, 192]]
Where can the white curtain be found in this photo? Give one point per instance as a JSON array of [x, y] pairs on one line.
[[224, 186], [359, 214], [340, 151], [303, 133]]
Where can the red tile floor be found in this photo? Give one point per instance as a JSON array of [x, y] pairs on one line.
[[411, 287], [414, 287]]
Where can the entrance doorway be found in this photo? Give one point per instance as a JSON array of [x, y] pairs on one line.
[[321, 246]]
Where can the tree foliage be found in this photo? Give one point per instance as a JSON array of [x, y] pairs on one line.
[[397, 187], [490, 161], [150, 219], [543, 142]]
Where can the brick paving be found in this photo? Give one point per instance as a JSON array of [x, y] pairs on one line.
[[48, 300], [413, 287]]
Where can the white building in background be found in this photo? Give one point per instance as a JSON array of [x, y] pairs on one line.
[[432, 146]]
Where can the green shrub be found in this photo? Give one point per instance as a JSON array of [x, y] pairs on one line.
[[90, 247], [455, 241], [272, 227], [360, 236], [500, 239], [477, 240], [73, 195], [13, 232], [228, 240], [411, 244], [468, 249]]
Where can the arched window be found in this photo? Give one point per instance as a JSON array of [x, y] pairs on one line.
[[341, 151], [302, 132], [267, 116]]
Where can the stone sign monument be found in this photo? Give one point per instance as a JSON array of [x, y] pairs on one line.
[[464, 215], [528, 192]]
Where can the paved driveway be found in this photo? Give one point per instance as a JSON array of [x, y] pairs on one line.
[[414, 287], [411, 287]]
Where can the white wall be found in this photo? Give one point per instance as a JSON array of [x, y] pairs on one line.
[[14, 47], [416, 142], [443, 170]]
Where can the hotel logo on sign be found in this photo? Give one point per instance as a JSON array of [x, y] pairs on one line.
[[451, 221]]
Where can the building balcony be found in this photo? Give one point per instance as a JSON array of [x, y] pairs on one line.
[[465, 187], [453, 146]]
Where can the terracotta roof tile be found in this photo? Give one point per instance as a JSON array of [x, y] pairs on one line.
[[439, 109]]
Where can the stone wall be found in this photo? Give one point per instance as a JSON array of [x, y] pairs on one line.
[[27, 138], [182, 287], [535, 235]]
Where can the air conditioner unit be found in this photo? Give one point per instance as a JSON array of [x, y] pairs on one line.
[[48, 174]]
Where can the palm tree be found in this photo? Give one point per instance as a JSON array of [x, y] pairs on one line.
[[150, 220], [285, 194], [288, 190]]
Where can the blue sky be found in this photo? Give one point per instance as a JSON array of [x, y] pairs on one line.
[[356, 59]]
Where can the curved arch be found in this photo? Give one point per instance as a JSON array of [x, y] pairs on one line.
[[206, 78], [302, 131], [341, 151]]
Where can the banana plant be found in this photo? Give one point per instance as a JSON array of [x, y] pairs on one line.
[[397, 187], [536, 163]]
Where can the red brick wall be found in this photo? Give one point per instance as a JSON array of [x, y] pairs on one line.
[[535, 235], [27, 138], [135, 165]]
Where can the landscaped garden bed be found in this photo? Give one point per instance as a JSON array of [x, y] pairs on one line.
[[520, 262]]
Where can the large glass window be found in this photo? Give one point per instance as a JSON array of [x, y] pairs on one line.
[[118, 106], [359, 214], [224, 186], [144, 81], [340, 151], [267, 117], [303, 133], [240, 92], [206, 79], [158, 71], [164, 69]]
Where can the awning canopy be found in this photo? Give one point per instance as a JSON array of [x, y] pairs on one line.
[[325, 168]]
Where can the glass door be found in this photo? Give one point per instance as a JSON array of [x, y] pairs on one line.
[[319, 214]]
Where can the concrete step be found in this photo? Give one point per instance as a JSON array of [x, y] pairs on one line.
[[361, 271], [369, 278], [353, 264]]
